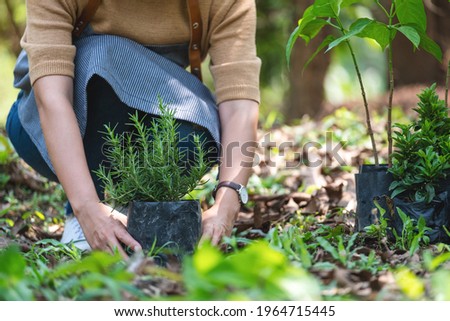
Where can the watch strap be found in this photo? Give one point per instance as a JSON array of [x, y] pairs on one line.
[[228, 184]]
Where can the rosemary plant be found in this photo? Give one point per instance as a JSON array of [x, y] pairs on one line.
[[147, 164]]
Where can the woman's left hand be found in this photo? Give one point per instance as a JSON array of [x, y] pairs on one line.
[[218, 221], [238, 121]]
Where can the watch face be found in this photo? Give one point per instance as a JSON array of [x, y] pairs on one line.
[[244, 195]]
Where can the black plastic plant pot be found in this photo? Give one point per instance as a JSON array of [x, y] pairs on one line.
[[372, 182], [166, 227], [436, 215]]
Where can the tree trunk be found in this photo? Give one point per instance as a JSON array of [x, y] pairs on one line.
[[14, 31], [420, 67], [306, 94]]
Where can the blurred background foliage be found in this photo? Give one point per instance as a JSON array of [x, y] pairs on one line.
[[287, 93]]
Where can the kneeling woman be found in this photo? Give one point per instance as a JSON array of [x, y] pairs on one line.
[[75, 77]]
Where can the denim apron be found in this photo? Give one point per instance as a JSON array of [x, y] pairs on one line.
[[138, 74]]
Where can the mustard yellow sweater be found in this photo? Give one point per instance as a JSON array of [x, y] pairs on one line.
[[228, 36]]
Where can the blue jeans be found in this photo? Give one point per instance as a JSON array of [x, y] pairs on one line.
[[104, 107]]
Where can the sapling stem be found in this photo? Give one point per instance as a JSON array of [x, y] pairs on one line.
[[363, 93], [366, 104], [383, 8], [391, 88], [446, 84], [391, 96]]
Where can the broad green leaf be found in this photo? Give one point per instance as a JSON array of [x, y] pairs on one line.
[[207, 258], [381, 210], [414, 245], [327, 8], [395, 184], [431, 193], [410, 33], [311, 29], [5, 149], [96, 262], [398, 191], [421, 224], [379, 32], [430, 46], [354, 30], [351, 242], [439, 285], [347, 3], [40, 215], [324, 43], [13, 264], [419, 196], [411, 12], [308, 16], [324, 266], [304, 254], [328, 247], [405, 218], [439, 260], [290, 44], [409, 283], [7, 221]]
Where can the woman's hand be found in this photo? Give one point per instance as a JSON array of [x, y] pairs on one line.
[[238, 120], [219, 220], [104, 228]]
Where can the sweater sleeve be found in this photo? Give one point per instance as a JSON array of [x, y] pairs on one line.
[[235, 66], [48, 37]]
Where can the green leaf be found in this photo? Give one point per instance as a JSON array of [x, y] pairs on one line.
[[40, 215], [327, 8], [96, 262], [430, 46], [5, 150], [311, 29], [395, 184], [411, 285], [354, 30], [203, 265], [439, 285], [13, 264], [290, 44], [347, 3], [324, 43], [308, 16], [306, 31], [379, 32], [410, 33], [411, 12], [414, 245], [431, 193], [381, 210], [328, 247], [419, 196], [351, 242], [398, 191], [304, 254], [439, 260]]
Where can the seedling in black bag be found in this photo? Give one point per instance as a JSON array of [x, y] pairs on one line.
[[151, 174]]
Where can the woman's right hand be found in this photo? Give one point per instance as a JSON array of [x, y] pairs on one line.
[[104, 228]]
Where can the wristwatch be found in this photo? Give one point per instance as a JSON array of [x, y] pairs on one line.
[[240, 190]]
